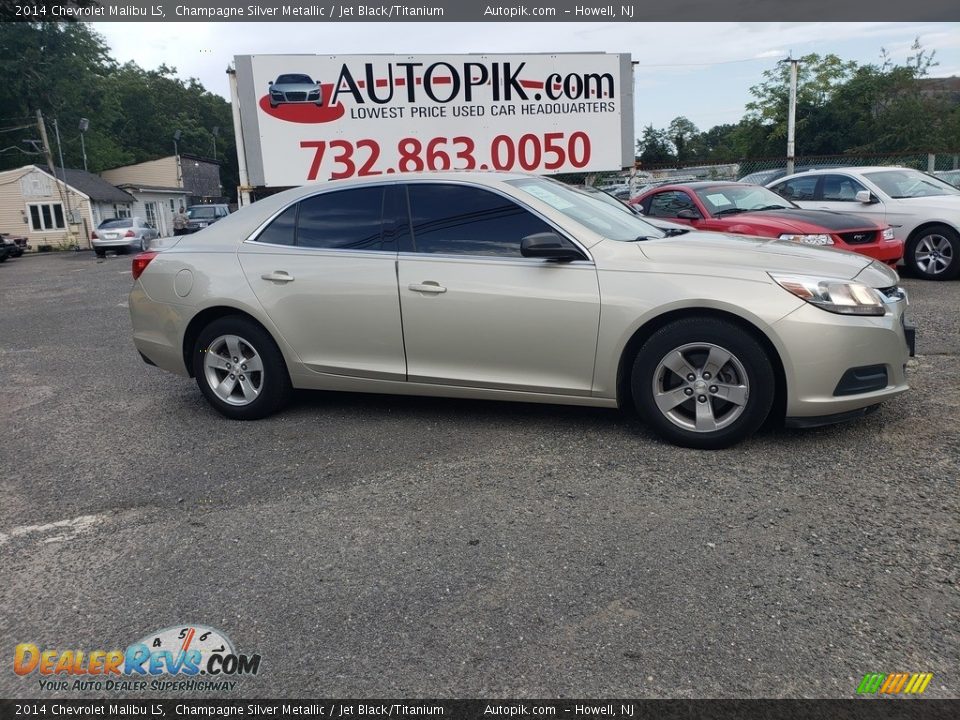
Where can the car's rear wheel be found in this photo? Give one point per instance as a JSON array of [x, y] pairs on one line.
[[240, 369], [703, 383], [100, 252], [934, 253]]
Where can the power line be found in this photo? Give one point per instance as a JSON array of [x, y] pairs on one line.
[[701, 64], [12, 129]]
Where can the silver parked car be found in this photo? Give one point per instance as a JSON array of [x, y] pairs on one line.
[[924, 211], [516, 287], [123, 234]]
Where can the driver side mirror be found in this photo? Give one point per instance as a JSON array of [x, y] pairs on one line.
[[688, 214], [866, 197], [549, 246]]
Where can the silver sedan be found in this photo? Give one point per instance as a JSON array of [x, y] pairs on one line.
[[515, 287], [125, 234]]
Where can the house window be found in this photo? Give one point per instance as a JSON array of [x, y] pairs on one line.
[[172, 207], [151, 210], [46, 216], [121, 211]]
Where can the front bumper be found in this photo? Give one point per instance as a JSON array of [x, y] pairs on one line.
[[886, 251], [820, 348]]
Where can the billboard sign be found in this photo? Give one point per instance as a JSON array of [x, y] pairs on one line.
[[311, 118]]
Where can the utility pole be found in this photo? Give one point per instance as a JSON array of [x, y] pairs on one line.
[[63, 173], [792, 115], [84, 125], [61, 187]]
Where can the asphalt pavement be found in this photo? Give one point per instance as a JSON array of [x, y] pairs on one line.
[[374, 546]]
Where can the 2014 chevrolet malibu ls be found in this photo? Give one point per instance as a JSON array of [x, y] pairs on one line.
[[516, 287]]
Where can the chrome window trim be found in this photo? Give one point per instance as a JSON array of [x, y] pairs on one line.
[[494, 259]]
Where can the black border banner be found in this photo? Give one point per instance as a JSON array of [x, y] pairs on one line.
[[338, 11], [615, 709]]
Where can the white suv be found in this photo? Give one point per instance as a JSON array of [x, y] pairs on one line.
[[922, 209]]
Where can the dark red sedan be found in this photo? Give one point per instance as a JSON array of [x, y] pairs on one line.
[[733, 207]]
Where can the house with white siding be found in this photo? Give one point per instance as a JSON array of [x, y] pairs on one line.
[[57, 208]]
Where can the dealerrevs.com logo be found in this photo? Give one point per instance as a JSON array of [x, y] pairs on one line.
[[181, 658]]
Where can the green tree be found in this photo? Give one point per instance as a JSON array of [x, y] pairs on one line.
[[65, 71], [654, 148], [683, 133]]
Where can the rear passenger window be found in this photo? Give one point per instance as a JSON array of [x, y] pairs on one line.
[[462, 220], [346, 219], [281, 230]]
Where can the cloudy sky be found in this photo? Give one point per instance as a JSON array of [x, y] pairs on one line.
[[701, 70]]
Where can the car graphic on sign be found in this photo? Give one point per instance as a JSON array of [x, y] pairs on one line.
[[295, 88]]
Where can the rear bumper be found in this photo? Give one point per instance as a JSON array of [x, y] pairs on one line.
[[122, 242]]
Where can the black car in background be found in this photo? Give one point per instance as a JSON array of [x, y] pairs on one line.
[[200, 216], [12, 246]]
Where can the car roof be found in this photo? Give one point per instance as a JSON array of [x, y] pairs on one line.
[[851, 169], [697, 185]]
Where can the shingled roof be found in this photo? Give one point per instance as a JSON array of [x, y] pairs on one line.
[[93, 186]]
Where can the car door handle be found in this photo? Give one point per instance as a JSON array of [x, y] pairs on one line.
[[428, 286], [280, 276]]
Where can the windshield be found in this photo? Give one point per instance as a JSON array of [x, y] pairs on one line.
[[294, 80], [597, 215], [200, 213], [117, 223], [910, 184], [727, 199]]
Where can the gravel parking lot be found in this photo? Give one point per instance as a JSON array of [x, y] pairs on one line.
[[372, 546]]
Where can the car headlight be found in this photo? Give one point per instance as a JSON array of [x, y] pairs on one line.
[[846, 297], [314, 93], [888, 234], [808, 239]]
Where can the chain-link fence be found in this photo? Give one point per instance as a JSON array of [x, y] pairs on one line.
[[757, 170]]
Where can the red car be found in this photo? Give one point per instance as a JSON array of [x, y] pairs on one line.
[[733, 207]]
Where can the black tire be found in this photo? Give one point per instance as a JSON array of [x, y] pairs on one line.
[[274, 381], [100, 253], [933, 253], [746, 376]]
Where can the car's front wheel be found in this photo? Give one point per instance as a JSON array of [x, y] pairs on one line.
[[703, 383], [240, 369], [934, 253]]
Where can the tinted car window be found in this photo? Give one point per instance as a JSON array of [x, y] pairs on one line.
[[840, 188], [347, 219], [669, 203], [117, 223], [463, 220], [201, 213], [282, 231]]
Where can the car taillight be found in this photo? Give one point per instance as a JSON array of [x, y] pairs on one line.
[[94, 236], [129, 233], [140, 263]]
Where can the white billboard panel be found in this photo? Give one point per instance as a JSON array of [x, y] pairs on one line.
[[311, 118]]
